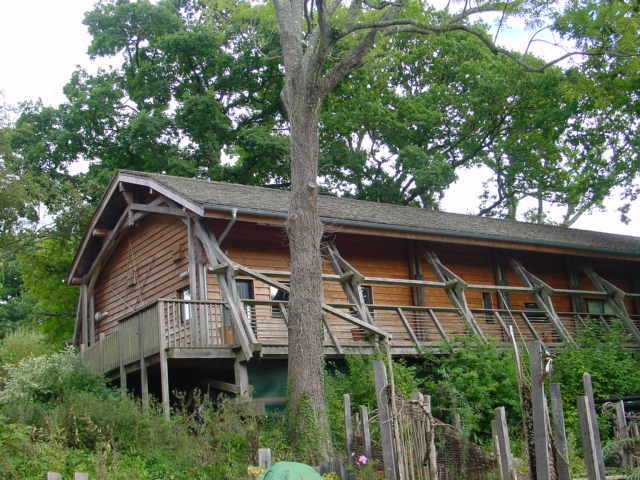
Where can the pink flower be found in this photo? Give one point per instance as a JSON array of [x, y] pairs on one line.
[[362, 459]]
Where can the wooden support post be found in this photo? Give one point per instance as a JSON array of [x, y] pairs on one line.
[[121, 367], [559, 433], [593, 416], [415, 272], [577, 301], [264, 458], [588, 439], [622, 433], [54, 476], [84, 312], [164, 363], [241, 374], [348, 426], [418, 293], [386, 420], [80, 476], [538, 402], [366, 432], [101, 338], [507, 471], [144, 380]]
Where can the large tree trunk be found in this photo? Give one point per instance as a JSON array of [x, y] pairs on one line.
[[307, 410]]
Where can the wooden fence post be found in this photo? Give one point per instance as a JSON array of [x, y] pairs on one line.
[[366, 433], [54, 476], [80, 476], [433, 453], [593, 417], [588, 439], [538, 402], [504, 446], [348, 426], [622, 432], [264, 458], [559, 433], [386, 420]]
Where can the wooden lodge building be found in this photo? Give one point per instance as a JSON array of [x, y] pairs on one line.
[[184, 282]]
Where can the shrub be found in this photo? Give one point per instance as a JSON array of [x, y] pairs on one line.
[[18, 345], [357, 380], [614, 369], [473, 379], [48, 378]]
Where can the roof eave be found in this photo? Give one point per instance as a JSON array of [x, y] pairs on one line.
[[431, 231]]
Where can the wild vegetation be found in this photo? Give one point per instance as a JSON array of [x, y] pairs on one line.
[[196, 90], [56, 415]]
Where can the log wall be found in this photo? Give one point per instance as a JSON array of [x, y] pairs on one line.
[[147, 264]]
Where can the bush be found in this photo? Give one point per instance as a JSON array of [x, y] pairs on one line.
[[614, 369], [473, 379], [48, 379], [357, 380], [18, 345]]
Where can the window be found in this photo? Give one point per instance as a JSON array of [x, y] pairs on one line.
[[597, 306], [367, 294], [487, 304], [278, 295], [185, 308], [245, 292]]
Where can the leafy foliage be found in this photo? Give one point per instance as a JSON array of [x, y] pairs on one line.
[[473, 379], [614, 369], [356, 379]]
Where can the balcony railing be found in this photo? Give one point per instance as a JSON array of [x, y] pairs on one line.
[[169, 323]]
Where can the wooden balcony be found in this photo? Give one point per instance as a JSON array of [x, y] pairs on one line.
[[203, 329]]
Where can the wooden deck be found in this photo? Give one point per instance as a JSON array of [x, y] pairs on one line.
[[200, 329]]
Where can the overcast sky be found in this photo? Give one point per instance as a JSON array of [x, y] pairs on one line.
[[44, 40]]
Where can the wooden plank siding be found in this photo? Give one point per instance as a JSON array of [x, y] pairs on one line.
[[150, 262], [147, 264]]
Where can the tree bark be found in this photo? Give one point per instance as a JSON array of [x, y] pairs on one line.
[[307, 407]]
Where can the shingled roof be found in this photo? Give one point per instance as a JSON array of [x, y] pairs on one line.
[[268, 201]]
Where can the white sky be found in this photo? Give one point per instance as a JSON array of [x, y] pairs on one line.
[[44, 40]]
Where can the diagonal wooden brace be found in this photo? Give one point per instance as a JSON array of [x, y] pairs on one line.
[[615, 299], [542, 295], [455, 289], [215, 256], [350, 279]]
